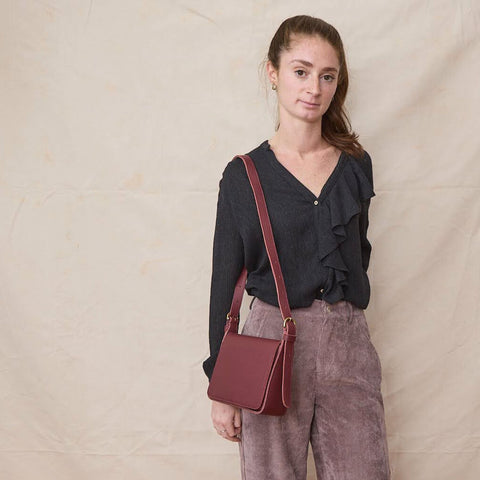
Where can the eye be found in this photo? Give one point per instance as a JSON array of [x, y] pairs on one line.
[[296, 71], [331, 78]]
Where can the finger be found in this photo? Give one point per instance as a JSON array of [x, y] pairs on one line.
[[237, 419], [222, 432], [228, 432], [226, 436], [229, 427]]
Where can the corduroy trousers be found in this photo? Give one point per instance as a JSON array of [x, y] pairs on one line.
[[337, 404]]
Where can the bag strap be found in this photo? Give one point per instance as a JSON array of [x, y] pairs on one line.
[[271, 251], [289, 328]]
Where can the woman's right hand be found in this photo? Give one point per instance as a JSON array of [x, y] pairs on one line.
[[227, 421]]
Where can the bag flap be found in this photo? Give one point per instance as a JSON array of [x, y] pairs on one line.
[[242, 370]]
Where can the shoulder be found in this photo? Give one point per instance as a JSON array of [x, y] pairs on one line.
[[235, 171], [234, 174], [365, 163]]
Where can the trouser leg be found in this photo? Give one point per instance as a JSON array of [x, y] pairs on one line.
[[348, 430], [276, 447]]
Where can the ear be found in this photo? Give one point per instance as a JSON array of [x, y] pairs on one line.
[[271, 72]]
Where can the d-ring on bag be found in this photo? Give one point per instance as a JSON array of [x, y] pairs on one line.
[[255, 373]]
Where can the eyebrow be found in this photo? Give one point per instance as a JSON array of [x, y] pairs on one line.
[[308, 64]]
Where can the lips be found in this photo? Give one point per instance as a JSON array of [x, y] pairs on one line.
[[310, 104]]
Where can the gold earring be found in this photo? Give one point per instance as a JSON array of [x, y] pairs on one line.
[[274, 87]]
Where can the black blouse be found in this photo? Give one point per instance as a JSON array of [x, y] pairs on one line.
[[321, 241]]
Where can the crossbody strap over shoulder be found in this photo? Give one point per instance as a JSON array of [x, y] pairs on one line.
[[271, 251]]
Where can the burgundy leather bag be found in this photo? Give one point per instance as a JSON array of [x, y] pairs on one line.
[[255, 373]]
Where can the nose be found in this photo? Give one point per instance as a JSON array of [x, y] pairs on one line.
[[314, 86]]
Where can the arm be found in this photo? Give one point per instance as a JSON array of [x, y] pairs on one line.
[[365, 244], [227, 264], [363, 220]]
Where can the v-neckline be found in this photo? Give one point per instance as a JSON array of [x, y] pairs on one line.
[[301, 186]]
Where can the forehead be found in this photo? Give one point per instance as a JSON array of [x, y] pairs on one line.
[[312, 49]]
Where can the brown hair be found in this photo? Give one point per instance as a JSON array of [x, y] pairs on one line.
[[336, 127]]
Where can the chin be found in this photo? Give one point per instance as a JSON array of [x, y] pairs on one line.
[[312, 117]]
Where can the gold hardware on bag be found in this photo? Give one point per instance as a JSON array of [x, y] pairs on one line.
[[288, 319]]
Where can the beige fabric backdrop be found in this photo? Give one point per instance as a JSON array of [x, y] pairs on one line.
[[117, 119]]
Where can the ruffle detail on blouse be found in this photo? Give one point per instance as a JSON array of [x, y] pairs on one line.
[[341, 204]]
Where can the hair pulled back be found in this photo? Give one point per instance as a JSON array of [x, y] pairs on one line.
[[336, 127]]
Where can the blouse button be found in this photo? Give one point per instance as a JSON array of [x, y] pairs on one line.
[[315, 202]]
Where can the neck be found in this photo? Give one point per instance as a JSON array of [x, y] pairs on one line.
[[299, 137]]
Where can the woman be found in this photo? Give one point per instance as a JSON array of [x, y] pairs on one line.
[[318, 182]]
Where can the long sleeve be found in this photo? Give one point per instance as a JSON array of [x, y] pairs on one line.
[[364, 220], [227, 264], [365, 244]]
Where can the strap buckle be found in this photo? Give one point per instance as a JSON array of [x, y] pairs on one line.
[[288, 319]]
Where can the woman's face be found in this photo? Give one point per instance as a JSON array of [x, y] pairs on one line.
[[306, 79]]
